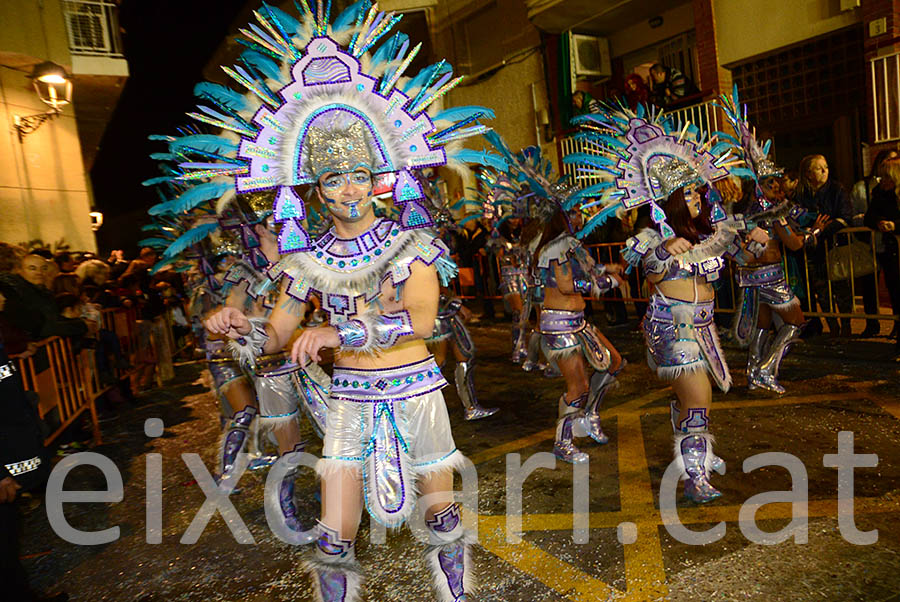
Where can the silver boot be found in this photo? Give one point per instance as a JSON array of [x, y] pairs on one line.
[[335, 574], [448, 555], [519, 340], [465, 388], [693, 451], [233, 444], [532, 362], [280, 502], [570, 414], [757, 346], [715, 463], [601, 382], [767, 376]]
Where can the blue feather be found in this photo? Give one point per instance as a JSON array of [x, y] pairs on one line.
[[156, 180], [262, 63], [720, 147], [424, 75], [164, 157], [588, 159], [226, 98], [289, 24], [346, 18], [485, 158], [388, 49], [596, 221], [743, 172], [204, 142], [162, 137], [154, 242], [460, 113], [191, 198], [191, 237]]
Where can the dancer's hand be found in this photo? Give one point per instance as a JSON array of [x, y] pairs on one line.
[[758, 235], [311, 341], [679, 245], [229, 321]]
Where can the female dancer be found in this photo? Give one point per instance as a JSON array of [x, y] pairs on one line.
[[681, 258]]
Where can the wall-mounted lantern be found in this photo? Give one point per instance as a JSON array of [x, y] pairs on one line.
[[54, 87]]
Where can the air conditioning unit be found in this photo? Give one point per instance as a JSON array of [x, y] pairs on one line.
[[589, 57]]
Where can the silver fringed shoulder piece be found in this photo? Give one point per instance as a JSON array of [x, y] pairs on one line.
[[250, 346]]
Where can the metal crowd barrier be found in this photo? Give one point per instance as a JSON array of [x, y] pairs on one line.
[[68, 384], [797, 267]]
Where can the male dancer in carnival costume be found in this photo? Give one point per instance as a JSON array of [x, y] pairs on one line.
[[345, 116], [681, 258], [763, 285], [564, 272], [449, 326], [263, 396]]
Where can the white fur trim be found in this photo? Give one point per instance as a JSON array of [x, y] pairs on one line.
[[350, 569], [437, 573], [455, 462], [670, 373], [327, 467]]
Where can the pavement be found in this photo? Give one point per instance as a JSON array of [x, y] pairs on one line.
[[622, 549]]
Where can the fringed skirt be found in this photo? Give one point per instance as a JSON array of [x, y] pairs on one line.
[[565, 333], [391, 424], [760, 284], [682, 338]]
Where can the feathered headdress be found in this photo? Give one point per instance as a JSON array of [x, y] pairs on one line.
[[323, 97], [755, 156], [643, 159]]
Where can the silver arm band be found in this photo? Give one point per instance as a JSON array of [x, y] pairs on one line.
[[247, 348], [371, 332]]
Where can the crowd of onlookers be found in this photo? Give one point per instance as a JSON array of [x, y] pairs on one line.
[[665, 87], [45, 294]]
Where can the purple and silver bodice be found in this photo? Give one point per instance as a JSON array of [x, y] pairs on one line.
[[705, 259], [346, 272]]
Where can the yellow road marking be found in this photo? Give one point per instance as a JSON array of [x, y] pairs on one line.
[[645, 573], [556, 574], [644, 567]]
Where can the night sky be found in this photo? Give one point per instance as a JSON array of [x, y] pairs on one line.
[[167, 44]]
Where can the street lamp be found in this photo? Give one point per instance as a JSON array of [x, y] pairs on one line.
[[53, 87]]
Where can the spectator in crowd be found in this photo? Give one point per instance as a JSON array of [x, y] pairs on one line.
[[66, 282], [64, 262], [583, 102], [883, 215], [790, 183], [636, 91], [670, 86], [117, 264], [827, 201], [473, 254], [24, 466], [29, 304], [860, 197]]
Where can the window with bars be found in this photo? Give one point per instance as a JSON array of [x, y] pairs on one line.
[[821, 77], [92, 26]]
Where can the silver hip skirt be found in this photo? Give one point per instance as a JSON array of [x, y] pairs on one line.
[[681, 338], [392, 425]]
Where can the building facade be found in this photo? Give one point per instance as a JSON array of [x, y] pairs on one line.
[[45, 190]]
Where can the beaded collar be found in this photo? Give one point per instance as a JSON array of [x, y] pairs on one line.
[[339, 271], [344, 255]]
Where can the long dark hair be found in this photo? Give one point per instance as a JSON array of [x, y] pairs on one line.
[[679, 216], [880, 158]]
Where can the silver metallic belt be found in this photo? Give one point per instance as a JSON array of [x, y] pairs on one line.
[[24, 466]]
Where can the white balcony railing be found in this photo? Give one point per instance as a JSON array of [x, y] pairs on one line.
[[886, 97], [93, 27]]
